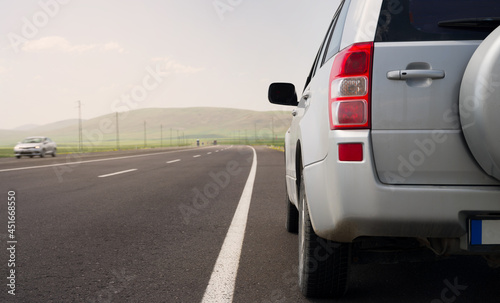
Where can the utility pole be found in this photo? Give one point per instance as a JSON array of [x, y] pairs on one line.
[[161, 135], [272, 125], [80, 138], [145, 140], [255, 132], [117, 133]]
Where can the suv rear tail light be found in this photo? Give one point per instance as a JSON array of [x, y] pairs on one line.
[[349, 104]]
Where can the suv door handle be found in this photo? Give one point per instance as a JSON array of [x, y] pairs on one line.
[[415, 74]]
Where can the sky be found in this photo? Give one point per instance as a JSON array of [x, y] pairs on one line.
[[121, 55]]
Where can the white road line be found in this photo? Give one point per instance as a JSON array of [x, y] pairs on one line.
[[173, 161], [196, 156], [117, 173], [209, 153], [221, 285], [91, 161]]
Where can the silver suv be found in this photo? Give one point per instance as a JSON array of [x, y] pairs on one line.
[[395, 140]]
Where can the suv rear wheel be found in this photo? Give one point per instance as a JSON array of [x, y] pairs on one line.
[[292, 217], [323, 265]]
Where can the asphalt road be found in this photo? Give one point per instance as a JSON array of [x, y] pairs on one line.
[[148, 226]]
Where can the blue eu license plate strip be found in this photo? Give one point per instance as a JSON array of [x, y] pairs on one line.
[[484, 232]]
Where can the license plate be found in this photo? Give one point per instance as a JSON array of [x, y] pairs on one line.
[[484, 232]]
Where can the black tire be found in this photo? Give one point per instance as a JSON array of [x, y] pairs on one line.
[[42, 153], [292, 217], [54, 152], [19, 157], [323, 264], [31, 156]]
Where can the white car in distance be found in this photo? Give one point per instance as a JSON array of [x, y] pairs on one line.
[[35, 146]]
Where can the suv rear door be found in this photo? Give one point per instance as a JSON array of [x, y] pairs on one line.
[[417, 71]]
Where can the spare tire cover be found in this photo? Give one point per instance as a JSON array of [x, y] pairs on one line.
[[479, 104]]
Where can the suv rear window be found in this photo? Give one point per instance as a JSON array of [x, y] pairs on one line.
[[431, 20]]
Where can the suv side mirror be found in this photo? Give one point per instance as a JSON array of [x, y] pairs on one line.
[[282, 94]]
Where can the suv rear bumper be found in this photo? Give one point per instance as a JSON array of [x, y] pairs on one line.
[[346, 200]]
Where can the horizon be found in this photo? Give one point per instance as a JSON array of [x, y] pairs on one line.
[[30, 126], [156, 123]]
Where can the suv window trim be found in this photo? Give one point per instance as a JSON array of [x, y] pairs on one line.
[[322, 48], [342, 16]]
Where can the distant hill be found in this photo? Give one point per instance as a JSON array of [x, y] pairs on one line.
[[26, 127], [56, 125], [192, 123]]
